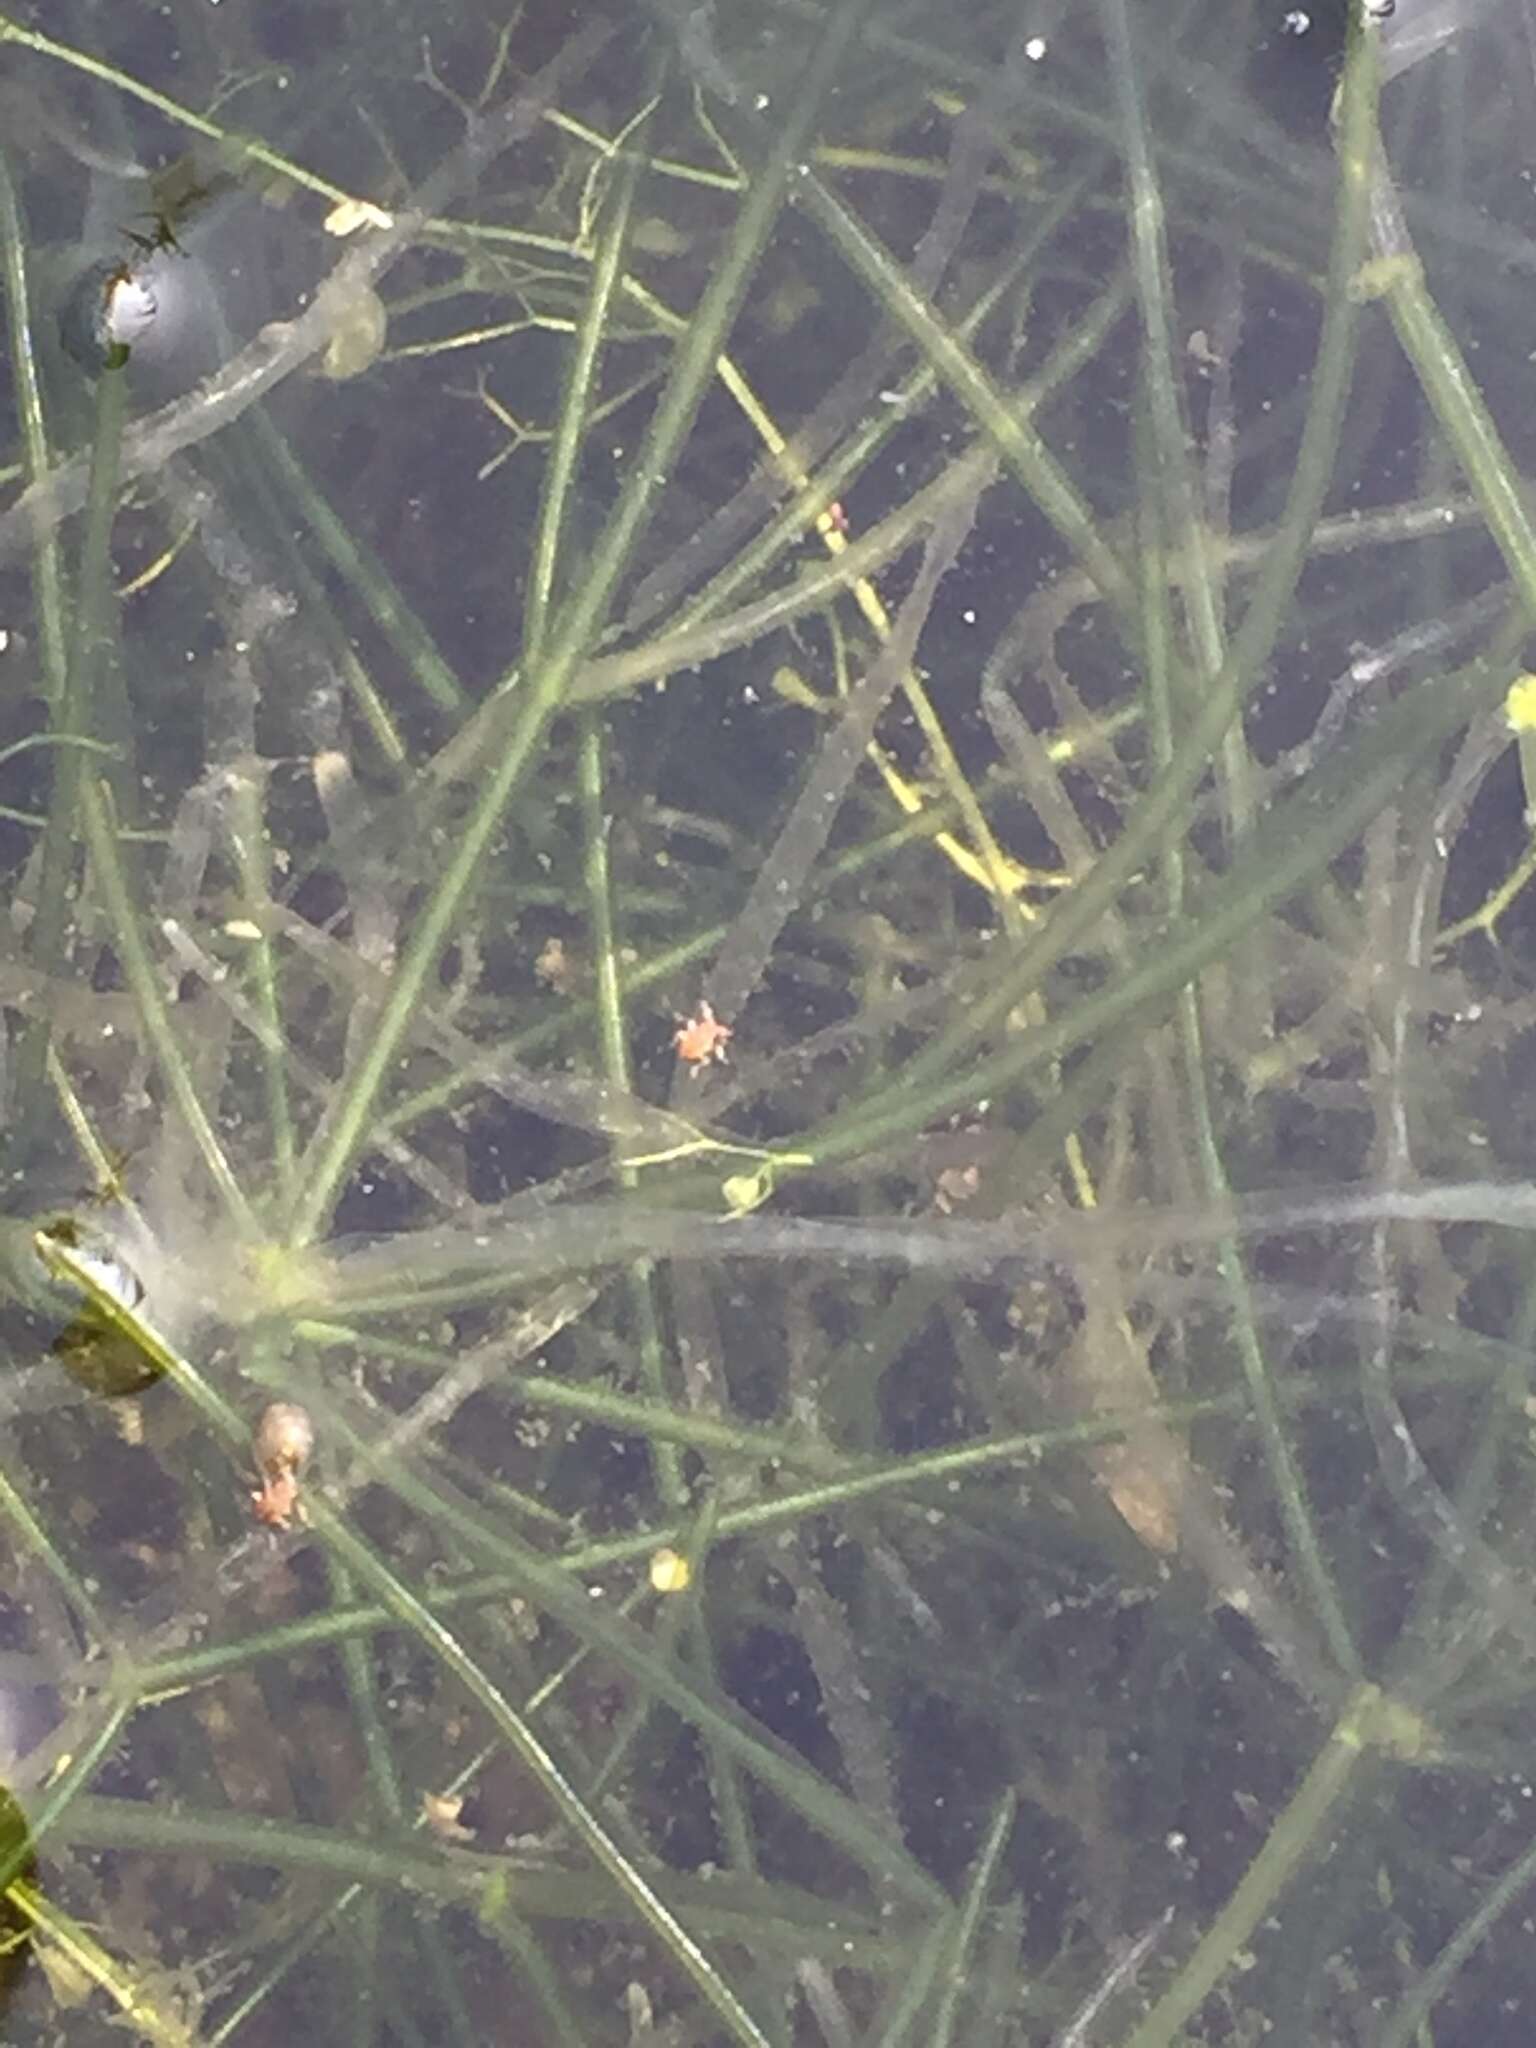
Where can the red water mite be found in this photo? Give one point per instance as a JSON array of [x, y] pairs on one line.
[[276, 1501], [701, 1037]]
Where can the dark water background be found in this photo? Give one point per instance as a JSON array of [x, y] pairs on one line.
[[1000, 1509]]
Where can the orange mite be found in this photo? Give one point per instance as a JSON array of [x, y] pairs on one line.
[[276, 1501], [701, 1038]]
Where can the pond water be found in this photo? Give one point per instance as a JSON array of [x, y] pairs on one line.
[[766, 791]]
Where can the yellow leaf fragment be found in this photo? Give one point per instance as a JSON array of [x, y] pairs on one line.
[[1520, 704], [669, 1572], [351, 214]]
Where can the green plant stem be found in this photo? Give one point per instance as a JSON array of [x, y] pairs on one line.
[[560, 1594], [578, 387], [74, 713], [728, 1909], [121, 81], [1451, 390], [37, 458], [1293, 844], [1008, 428], [927, 1079], [300, 505], [968, 1921], [175, 1670], [252, 855], [1299, 1831], [29, 1534], [541, 695], [911, 1994], [389, 1814], [613, 1039], [639, 1274], [68, 1788], [518, 1733], [1410, 2022], [1284, 1468], [121, 903]]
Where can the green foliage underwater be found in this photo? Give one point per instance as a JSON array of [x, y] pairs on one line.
[[766, 792]]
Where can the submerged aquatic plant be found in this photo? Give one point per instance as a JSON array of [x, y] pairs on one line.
[[765, 983]]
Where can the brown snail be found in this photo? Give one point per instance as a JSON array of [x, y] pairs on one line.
[[284, 1439]]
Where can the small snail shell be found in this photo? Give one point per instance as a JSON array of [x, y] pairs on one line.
[[103, 1358], [93, 1250], [109, 307], [357, 338], [285, 1436]]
